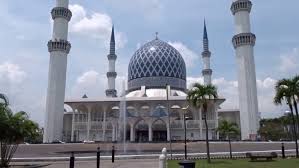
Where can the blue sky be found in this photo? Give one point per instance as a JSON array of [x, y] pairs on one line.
[[26, 28]]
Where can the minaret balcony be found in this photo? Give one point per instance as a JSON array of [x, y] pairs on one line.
[[111, 93], [112, 57], [241, 5], [206, 54], [111, 74], [59, 45], [61, 12], [244, 39], [207, 72]]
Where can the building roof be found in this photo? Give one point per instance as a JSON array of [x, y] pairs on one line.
[[156, 64]]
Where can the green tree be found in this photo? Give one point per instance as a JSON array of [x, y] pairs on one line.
[[273, 129], [200, 96], [13, 129], [227, 130], [287, 124], [285, 93]]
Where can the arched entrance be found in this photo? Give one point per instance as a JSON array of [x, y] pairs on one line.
[[159, 131], [141, 130]]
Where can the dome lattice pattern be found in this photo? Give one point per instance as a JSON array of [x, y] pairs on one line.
[[156, 59]]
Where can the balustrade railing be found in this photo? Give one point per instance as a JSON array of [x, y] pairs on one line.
[[80, 125], [193, 124], [96, 125], [211, 124], [177, 124]]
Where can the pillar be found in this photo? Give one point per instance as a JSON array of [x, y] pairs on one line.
[[73, 126], [200, 124], [104, 125], [132, 133], [88, 125], [168, 132], [150, 133], [113, 133]]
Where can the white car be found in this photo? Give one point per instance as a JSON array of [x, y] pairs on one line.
[[88, 142]]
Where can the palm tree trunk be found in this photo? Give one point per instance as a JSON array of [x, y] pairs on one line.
[[294, 130], [230, 148], [296, 110], [207, 139]]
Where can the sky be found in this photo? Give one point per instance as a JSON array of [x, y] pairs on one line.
[[26, 27]]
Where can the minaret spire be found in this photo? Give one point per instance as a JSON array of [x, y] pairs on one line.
[[111, 74], [205, 34], [112, 39], [206, 54]]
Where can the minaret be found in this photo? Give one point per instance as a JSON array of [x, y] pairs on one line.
[[111, 75], [206, 54], [59, 48], [244, 42]]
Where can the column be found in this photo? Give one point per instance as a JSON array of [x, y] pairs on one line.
[[113, 133], [73, 126], [88, 125], [200, 124], [132, 133], [168, 132], [104, 125], [150, 133]]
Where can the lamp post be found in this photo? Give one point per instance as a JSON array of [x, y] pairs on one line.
[[186, 163], [185, 129]]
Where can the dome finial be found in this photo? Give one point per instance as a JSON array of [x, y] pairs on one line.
[[157, 33]]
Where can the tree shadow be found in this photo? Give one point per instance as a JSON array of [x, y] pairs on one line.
[[261, 161], [216, 162]]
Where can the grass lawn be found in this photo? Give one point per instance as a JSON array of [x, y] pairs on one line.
[[242, 163]]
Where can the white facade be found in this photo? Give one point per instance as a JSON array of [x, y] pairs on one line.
[[244, 42], [147, 119], [58, 47]]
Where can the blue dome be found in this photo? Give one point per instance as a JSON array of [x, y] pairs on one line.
[[156, 64]]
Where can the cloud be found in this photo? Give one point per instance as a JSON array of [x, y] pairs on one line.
[[22, 94], [192, 80], [12, 72], [93, 84], [96, 25], [90, 83], [189, 56], [148, 8], [289, 62]]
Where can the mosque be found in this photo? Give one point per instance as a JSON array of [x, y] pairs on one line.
[[152, 108]]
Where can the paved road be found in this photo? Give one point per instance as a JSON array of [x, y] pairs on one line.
[[62, 150], [144, 163]]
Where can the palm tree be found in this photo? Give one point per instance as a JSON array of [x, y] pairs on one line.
[[285, 92], [14, 128], [228, 129], [200, 96], [295, 82]]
